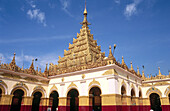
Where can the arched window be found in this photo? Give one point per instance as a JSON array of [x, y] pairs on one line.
[[155, 102], [95, 99], [36, 101], [16, 100], [73, 100], [54, 100], [123, 91]]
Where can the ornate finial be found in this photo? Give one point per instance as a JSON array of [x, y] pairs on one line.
[[31, 70], [131, 65], [85, 10], [123, 62], [138, 70], [110, 52], [159, 71], [46, 70], [143, 74], [85, 22]]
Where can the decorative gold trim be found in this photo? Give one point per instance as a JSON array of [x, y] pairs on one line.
[[53, 88], [110, 72], [21, 84], [94, 82], [39, 89], [146, 84], [21, 88], [153, 90], [83, 76], [72, 85], [161, 83], [123, 83]]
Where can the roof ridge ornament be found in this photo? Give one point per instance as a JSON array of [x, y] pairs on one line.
[[159, 71]]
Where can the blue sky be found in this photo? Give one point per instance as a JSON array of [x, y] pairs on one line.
[[43, 29]]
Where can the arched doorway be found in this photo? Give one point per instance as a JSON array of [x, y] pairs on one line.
[[155, 102], [95, 99], [36, 101], [140, 94], [140, 98], [54, 100], [73, 100], [123, 94], [133, 102], [16, 100]]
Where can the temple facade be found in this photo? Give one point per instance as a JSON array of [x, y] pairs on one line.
[[83, 80]]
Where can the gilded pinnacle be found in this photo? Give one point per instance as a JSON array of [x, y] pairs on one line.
[[123, 60], [159, 71], [131, 65]]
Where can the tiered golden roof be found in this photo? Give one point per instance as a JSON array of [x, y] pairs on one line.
[[83, 53]]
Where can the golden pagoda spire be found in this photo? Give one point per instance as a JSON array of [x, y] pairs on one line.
[[138, 73], [143, 75], [85, 10], [110, 52], [159, 71], [85, 22], [31, 70], [13, 60], [13, 64], [46, 70], [124, 65], [32, 65], [131, 65], [123, 62]]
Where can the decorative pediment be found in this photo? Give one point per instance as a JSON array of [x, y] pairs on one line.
[[53, 88], [110, 72], [72, 85], [94, 82]]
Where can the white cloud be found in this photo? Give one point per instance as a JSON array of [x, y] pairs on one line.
[[2, 58], [37, 15], [65, 4], [131, 9], [117, 1]]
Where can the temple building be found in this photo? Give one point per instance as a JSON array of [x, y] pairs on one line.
[[83, 80]]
